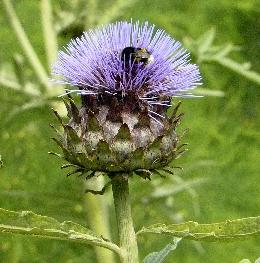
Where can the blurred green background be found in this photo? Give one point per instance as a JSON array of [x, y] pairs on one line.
[[220, 177]]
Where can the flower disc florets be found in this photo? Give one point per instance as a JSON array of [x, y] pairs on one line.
[[126, 74]]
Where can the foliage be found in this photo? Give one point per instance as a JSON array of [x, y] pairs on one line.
[[224, 231], [28, 223], [160, 256], [248, 261]]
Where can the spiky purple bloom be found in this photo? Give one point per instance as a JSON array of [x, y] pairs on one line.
[[94, 64]]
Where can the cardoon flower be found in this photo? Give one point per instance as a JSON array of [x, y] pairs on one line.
[[126, 74]]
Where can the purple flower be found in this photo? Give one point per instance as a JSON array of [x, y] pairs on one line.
[[126, 74], [127, 59]]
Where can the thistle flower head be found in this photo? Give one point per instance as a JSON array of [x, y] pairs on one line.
[[132, 62], [126, 74]]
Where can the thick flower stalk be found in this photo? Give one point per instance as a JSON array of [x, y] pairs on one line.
[[126, 74]]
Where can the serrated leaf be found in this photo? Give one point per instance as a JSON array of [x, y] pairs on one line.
[[160, 256], [28, 223], [228, 230]]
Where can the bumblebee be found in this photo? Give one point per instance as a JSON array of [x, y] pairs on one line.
[[136, 55]]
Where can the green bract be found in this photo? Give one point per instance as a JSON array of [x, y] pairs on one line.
[[132, 143]]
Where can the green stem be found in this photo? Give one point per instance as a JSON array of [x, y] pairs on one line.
[[127, 237], [49, 33], [26, 45], [97, 219]]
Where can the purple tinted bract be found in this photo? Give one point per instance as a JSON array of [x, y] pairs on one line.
[[93, 63]]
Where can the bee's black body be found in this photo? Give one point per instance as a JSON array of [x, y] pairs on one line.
[[138, 55]]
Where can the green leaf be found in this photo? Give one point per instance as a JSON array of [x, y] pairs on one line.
[[228, 230], [206, 41], [28, 223], [225, 50], [239, 69], [245, 260], [160, 256], [168, 190], [206, 51]]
